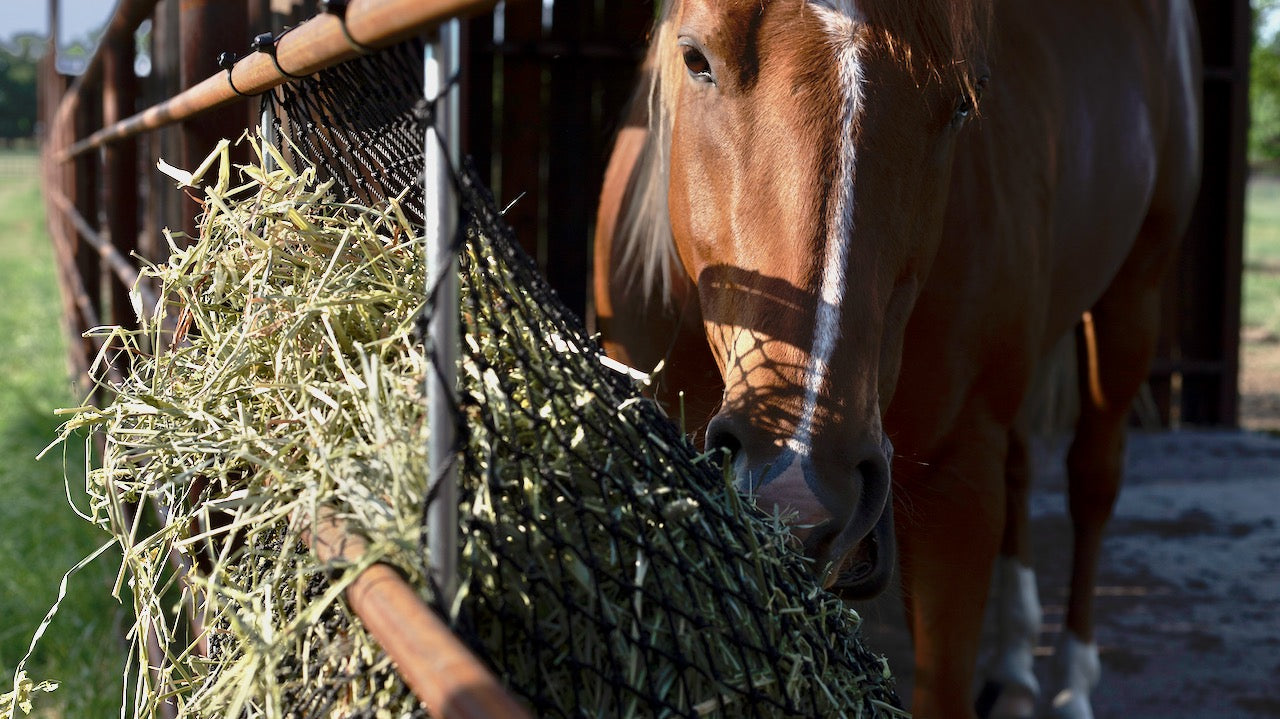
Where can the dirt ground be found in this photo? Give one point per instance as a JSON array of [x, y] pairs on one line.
[[1260, 383], [1188, 599]]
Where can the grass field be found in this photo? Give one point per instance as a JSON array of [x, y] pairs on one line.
[[40, 536], [1262, 257]]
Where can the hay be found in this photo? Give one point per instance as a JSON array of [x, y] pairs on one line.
[[281, 376]]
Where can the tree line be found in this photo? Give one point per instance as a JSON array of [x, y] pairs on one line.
[[18, 59], [1264, 85]]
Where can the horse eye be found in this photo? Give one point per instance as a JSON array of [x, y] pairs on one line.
[[697, 64], [964, 109]]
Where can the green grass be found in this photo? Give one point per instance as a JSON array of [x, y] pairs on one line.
[[40, 536], [1262, 254]]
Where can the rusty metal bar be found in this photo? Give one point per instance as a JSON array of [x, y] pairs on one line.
[[124, 22], [119, 186], [442, 672], [120, 265], [164, 205], [80, 183], [52, 86], [314, 45], [572, 185], [208, 28], [522, 131]]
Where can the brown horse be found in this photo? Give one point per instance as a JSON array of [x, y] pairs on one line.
[[878, 217]]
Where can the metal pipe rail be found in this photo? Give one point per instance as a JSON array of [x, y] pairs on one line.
[[126, 273], [314, 45], [442, 672]]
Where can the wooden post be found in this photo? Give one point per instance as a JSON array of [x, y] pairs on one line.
[[522, 125], [119, 184], [55, 176], [1212, 257], [208, 28]]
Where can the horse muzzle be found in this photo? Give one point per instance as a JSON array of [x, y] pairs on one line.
[[863, 571], [839, 510]]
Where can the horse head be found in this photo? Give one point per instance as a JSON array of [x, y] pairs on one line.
[[805, 147]]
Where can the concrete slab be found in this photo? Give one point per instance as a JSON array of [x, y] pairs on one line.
[[1188, 601]]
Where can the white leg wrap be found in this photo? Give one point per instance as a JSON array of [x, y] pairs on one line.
[[1018, 615], [1079, 670]]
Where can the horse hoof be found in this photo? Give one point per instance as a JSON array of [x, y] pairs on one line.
[[997, 701], [1070, 704]]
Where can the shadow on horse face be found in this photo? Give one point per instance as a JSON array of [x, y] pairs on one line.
[[791, 450], [776, 112]]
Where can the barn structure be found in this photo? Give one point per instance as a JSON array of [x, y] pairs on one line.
[[545, 86]]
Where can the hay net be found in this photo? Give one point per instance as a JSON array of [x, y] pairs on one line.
[[606, 569], [576, 488]]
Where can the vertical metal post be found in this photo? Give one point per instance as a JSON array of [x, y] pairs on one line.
[[206, 28], [442, 61], [267, 136], [119, 186]]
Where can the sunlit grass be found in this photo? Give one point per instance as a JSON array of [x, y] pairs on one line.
[[1262, 256], [40, 536]]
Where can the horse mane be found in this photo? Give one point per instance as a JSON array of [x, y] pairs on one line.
[[938, 39], [643, 236]]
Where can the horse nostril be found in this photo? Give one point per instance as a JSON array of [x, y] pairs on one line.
[[874, 472], [721, 436]]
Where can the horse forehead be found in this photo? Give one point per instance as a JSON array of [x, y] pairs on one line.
[[839, 16], [848, 8], [841, 12]]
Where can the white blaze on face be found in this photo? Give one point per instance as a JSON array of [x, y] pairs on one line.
[[840, 18]]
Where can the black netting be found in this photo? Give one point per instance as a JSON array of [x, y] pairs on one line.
[[607, 569], [361, 124]]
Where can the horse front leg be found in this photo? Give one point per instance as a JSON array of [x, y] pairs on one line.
[[949, 515], [1011, 690], [1116, 342]]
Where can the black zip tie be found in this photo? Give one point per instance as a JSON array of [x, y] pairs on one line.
[[227, 61], [266, 43], [424, 110], [338, 8]]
